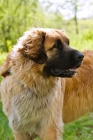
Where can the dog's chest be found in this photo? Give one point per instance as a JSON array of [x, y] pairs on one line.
[[30, 112]]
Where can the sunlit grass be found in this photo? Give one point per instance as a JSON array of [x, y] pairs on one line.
[[5, 132], [81, 129]]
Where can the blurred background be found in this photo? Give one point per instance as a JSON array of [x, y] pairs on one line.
[[75, 16]]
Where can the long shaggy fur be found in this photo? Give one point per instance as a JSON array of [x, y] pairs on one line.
[[31, 89], [78, 91]]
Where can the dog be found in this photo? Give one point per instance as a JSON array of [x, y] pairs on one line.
[[78, 91], [31, 88]]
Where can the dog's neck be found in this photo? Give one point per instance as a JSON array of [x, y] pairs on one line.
[[41, 86], [29, 74]]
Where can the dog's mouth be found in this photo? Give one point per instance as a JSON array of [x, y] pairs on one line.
[[64, 73]]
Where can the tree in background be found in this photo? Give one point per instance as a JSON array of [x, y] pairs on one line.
[[77, 6], [70, 9], [19, 15], [15, 17]]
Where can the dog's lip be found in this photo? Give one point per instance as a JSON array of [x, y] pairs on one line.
[[58, 72], [65, 73]]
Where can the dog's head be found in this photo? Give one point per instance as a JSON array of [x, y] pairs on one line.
[[50, 48]]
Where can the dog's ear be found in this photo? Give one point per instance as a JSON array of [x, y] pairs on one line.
[[33, 47]]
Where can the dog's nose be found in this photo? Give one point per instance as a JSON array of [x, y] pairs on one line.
[[79, 56]]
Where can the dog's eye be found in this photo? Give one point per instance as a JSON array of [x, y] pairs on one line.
[[68, 42], [58, 44]]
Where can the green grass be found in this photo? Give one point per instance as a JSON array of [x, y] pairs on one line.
[[81, 129], [5, 132]]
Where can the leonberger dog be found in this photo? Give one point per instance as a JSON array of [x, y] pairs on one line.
[[78, 91], [31, 90]]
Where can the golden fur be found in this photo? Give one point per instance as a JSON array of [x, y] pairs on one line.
[[31, 92], [78, 91]]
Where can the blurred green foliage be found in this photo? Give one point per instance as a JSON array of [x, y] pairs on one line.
[[19, 16], [2, 57], [15, 17]]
